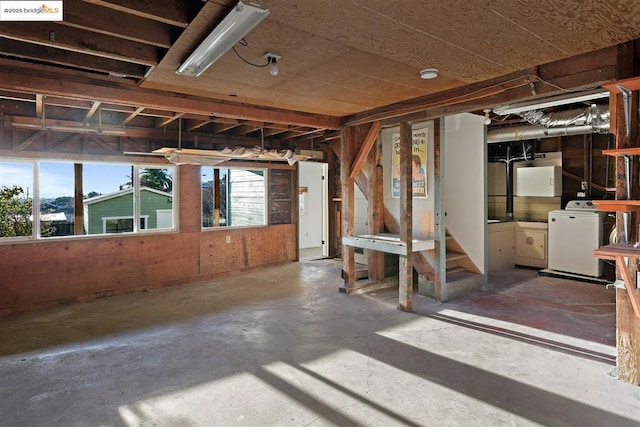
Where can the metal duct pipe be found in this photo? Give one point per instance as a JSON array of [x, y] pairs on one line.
[[521, 133], [596, 116]]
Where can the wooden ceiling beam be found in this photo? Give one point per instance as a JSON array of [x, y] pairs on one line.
[[111, 22], [368, 142], [36, 136], [309, 136], [92, 111], [223, 127], [165, 122], [14, 76], [39, 105], [132, 115], [69, 102], [29, 125], [76, 40], [246, 129], [66, 58], [226, 120], [273, 132], [198, 125], [175, 13], [16, 96]]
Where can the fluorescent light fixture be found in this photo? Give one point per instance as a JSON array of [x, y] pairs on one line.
[[553, 101], [238, 23]]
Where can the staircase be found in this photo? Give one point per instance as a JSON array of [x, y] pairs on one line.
[[463, 276]]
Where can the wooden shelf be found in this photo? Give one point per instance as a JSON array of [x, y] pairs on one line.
[[617, 205], [389, 243], [633, 151], [618, 252], [631, 84], [617, 249]]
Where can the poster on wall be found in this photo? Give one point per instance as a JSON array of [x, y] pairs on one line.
[[418, 163]]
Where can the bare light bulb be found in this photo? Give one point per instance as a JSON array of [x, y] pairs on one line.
[[274, 70], [487, 119], [272, 60]]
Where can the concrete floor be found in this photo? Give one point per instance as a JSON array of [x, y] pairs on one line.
[[280, 346]]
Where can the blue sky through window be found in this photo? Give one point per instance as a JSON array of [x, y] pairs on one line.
[[57, 179]]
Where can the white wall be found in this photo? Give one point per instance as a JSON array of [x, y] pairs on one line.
[[464, 182]]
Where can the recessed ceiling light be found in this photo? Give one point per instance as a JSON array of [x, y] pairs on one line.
[[429, 73]]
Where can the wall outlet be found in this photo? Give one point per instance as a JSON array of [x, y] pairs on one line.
[[581, 194], [228, 239], [584, 185]]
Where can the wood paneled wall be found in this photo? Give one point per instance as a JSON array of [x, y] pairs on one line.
[[59, 271]]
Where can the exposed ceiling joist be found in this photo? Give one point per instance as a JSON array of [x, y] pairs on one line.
[[62, 37], [165, 122], [94, 107], [167, 11], [132, 115], [65, 58], [111, 22]]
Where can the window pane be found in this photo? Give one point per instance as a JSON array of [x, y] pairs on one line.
[[108, 192], [122, 225], [233, 197], [245, 197], [156, 200], [56, 199], [16, 199]]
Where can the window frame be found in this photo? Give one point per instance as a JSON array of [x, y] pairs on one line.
[[136, 167], [265, 192]]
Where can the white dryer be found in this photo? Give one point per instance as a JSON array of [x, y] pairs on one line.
[[574, 233]]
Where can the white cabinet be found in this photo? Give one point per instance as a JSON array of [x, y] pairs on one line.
[[501, 246], [539, 181], [531, 244]]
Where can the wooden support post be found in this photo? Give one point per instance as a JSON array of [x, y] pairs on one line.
[[406, 218], [78, 205], [375, 213], [440, 256], [367, 144], [347, 147]]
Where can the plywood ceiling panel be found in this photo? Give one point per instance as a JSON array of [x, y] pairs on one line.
[[339, 57]]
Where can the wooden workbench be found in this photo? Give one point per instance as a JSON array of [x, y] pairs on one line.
[[387, 242]]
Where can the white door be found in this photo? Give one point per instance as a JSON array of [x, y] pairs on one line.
[[313, 214]]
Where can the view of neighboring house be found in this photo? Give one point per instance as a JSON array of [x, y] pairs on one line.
[[113, 213]]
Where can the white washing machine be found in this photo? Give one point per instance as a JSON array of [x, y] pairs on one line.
[[574, 233]]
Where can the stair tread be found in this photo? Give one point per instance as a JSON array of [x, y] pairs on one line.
[[451, 256]]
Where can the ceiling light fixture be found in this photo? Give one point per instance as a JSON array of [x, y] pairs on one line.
[[553, 101], [429, 73], [272, 59], [243, 18]]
